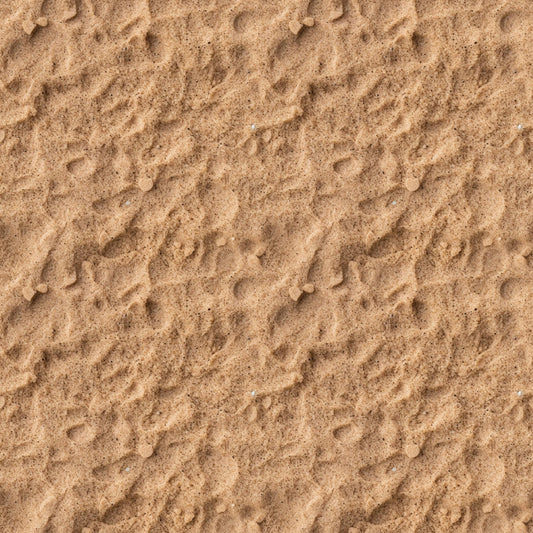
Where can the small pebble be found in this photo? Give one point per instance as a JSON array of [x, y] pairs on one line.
[[308, 21], [145, 184], [254, 394], [412, 451], [295, 293], [519, 393], [412, 184], [253, 261], [42, 288], [42, 21], [309, 288], [520, 127], [28, 26], [128, 469], [28, 293], [394, 469], [127, 202], [254, 127], [295, 27], [145, 450]]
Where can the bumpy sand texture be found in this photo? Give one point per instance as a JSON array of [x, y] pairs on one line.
[[266, 266]]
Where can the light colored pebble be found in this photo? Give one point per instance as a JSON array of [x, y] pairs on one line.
[[519, 393], [145, 184], [520, 127], [253, 261], [309, 288], [412, 451], [253, 127], [28, 293], [28, 26], [42, 288], [145, 450], [295, 27], [412, 184], [254, 394], [394, 469], [308, 21], [42, 21], [295, 293]]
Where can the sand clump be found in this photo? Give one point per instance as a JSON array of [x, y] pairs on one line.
[[266, 266]]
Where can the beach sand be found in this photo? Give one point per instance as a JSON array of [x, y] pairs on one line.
[[266, 266]]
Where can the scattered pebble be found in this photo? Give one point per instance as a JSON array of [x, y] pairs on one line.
[[394, 202], [487, 508], [28, 26], [519, 393], [254, 394], [42, 288], [412, 451], [145, 184], [127, 202], [42, 21], [28, 293], [253, 261], [309, 288], [394, 469], [412, 184], [308, 21], [145, 450], [295, 293], [520, 127], [128, 469], [295, 27], [254, 127]]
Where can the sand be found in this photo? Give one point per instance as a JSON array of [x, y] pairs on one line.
[[266, 266]]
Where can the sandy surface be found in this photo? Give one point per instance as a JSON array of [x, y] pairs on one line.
[[266, 266]]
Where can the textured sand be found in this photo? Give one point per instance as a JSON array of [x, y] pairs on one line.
[[266, 266]]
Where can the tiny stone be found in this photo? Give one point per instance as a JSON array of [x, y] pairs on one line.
[[128, 469], [28, 26], [394, 202], [254, 127], [309, 288], [394, 469], [254, 394], [295, 293], [412, 184], [145, 450], [42, 288], [145, 184], [260, 250], [308, 21], [519, 393], [28, 293], [520, 127], [253, 261], [128, 202], [295, 27], [412, 450], [42, 21]]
